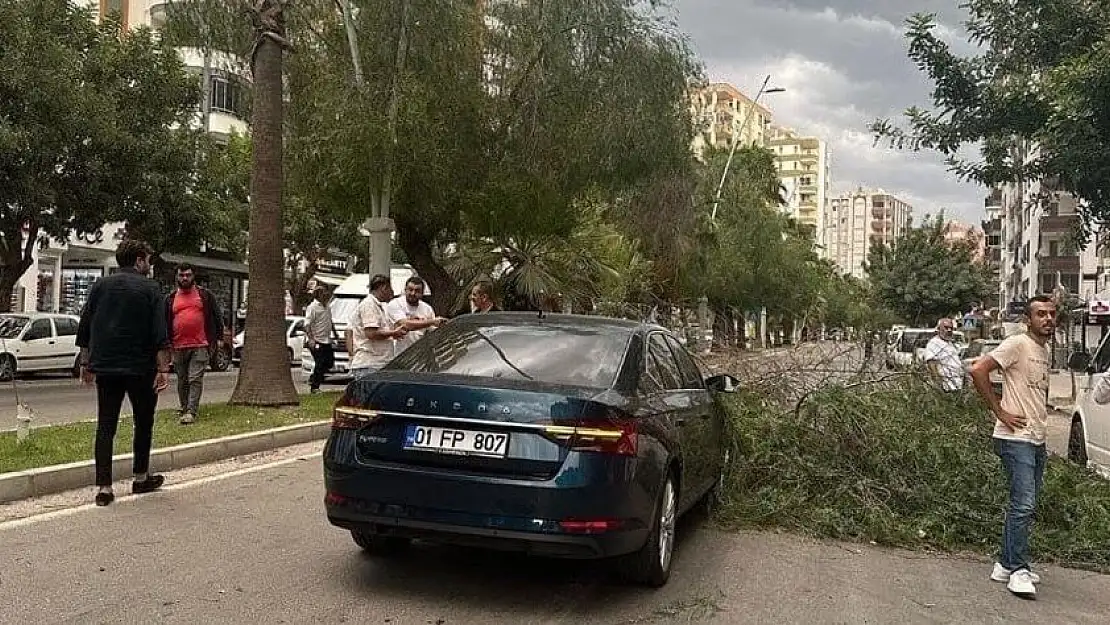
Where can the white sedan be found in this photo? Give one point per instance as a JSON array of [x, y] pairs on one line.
[[294, 340], [37, 342], [1089, 436]]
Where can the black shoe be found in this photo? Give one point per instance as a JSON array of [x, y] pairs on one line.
[[149, 485], [103, 499]]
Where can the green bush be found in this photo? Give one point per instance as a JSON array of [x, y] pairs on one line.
[[900, 464]]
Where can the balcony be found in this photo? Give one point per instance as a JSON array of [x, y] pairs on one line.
[[880, 212], [1059, 223], [1063, 264]]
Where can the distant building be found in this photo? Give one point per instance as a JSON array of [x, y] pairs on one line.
[[992, 234], [960, 232], [724, 114], [858, 221], [803, 168]]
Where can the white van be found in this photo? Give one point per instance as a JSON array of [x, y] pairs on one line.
[[343, 303]]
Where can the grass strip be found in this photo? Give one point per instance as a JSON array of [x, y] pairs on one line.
[[902, 465], [73, 442]]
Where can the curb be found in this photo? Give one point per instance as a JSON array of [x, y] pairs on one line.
[[62, 477]]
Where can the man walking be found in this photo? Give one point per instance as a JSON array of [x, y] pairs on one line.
[[1021, 419], [371, 333], [943, 359], [195, 329], [318, 330], [125, 351], [413, 313]]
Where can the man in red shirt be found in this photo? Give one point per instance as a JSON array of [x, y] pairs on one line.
[[195, 327]]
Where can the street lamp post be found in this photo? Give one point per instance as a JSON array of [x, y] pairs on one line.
[[736, 140]]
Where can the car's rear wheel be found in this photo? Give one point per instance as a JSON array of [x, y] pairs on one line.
[[378, 545], [1077, 443], [651, 565]]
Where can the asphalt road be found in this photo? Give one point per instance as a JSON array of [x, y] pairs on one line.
[[254, 547], [62, 399]]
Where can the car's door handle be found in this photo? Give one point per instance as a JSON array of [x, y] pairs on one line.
[[50, 343]]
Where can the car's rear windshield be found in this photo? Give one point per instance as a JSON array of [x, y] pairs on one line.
[[562, 354]]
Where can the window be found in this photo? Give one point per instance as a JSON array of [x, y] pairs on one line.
[[1102, 358], [691, 375], [1053, 248], [572, 354], [669, 374], [227, 95], [40, 329], [65, 326]]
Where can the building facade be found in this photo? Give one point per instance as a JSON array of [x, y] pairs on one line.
[[1039, 250], [992, 240], [858, 221], [803, 168], [62, 272], [725, 115]]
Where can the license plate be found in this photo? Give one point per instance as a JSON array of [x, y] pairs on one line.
[[455, 441]]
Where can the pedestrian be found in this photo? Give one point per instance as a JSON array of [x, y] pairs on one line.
[[1021, 419], [125, 350], [481, 298], [370, 331], [318, 332], [943, 359], [196, 329], [413, 313]]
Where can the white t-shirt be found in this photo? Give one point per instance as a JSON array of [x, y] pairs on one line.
[[398, 310], [317, 323], [365, 353], [948, 362]]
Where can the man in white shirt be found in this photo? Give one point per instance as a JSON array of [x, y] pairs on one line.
[[318, 331], [370, 332], [943, 359], [413, 313]]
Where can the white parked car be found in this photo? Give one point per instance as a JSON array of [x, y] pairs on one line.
[[37, 342], [294, 340], [1089, 437]]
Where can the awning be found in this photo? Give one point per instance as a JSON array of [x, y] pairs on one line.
[[329, 279], [229, 266]]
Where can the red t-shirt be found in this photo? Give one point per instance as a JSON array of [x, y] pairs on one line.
[[188, 320]]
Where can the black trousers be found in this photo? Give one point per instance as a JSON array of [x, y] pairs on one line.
[[323, 359], [110, 390]]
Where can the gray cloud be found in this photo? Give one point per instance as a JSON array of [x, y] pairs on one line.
[[842, 67]]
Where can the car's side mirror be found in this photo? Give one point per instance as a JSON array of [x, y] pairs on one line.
[[723, 383], [1079, 362]]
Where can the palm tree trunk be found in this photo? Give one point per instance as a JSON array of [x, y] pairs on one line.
[[265, 378]]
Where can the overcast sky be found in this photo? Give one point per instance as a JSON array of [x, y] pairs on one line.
[[843, 63]]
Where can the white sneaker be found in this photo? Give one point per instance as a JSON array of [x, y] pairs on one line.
[[1021, 584], [1001, 574]]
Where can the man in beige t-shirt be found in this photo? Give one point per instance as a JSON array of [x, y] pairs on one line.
[[1021, 417]]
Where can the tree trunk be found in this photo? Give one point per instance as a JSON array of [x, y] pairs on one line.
[[15, 260], [265, 378], [445, 292]]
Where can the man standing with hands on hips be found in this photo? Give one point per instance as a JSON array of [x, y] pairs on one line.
[[125, 350], [1021, 418]]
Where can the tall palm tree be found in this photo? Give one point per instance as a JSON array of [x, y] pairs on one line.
[[265, 378]]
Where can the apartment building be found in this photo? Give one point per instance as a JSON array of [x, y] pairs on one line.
[[1039, 250], [992, 241], [62, 272], [803, 167], [858, 221], [725, 115]]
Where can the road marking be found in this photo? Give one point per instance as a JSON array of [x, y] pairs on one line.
[[64, 512]]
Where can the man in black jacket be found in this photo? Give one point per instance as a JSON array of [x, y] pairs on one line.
[[125, 350], [195, 329]]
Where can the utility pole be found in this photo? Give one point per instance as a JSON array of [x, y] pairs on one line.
[[379, 227]]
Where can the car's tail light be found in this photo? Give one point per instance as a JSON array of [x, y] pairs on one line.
[[611, 436], [347, 417], [589, 526]]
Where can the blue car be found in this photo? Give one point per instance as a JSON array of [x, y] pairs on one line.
[[559, 435]]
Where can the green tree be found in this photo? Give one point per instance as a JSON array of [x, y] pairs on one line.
[[1036, 100], [94, 127], [924, 277]]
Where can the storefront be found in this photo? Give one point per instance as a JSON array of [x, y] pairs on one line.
[[226, 279]]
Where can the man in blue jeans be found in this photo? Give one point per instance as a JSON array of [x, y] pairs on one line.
[[1021, 419]]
